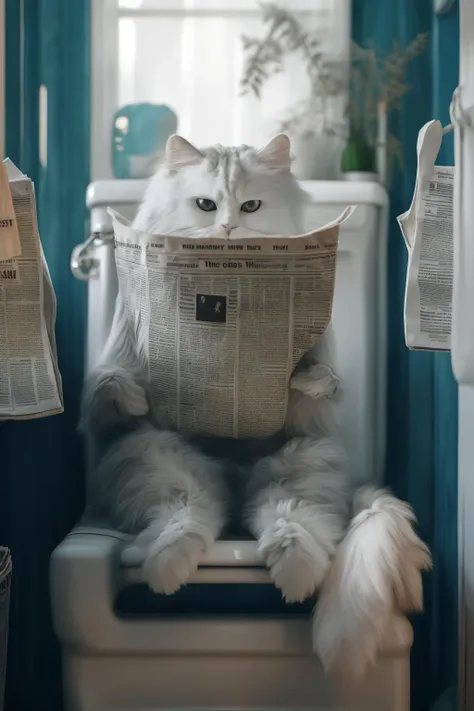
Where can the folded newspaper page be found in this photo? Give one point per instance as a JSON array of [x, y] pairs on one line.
[[224, 322], [30, 383], [427, 228]]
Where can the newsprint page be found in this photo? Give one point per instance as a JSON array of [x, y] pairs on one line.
[[224, 322], [30, 382]]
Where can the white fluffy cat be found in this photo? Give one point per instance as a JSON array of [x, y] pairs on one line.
[[298, 498]]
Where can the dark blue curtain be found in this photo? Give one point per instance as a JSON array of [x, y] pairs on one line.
[[422, 395], [41, 478]]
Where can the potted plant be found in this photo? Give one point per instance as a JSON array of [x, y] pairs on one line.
[[377, 86], [315, 134], [359, 160]]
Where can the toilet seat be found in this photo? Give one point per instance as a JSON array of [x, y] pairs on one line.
[[229, 560]]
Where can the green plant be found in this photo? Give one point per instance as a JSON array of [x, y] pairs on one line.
[[377, 86]]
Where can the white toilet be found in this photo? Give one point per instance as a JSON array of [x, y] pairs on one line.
[[226, 641]]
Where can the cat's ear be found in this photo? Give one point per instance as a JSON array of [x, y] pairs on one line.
[[179, 153], [276, 154]]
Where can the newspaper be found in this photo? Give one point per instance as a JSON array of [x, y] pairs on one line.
[[224, 322], [427, 228], [30, 383]]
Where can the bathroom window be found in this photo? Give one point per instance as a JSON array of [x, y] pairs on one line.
[[188, 54]]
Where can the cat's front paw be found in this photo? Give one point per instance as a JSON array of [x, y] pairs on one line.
[[318, 381], [112, 394]]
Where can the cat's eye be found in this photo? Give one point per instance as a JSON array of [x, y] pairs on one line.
[[206, 205], [251, 205]]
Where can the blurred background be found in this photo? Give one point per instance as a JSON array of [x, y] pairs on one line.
[[204, 52]]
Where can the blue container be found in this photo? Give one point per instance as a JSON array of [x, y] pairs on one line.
[[139, 136]]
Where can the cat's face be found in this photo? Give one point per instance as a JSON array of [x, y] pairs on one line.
[[223, 192]]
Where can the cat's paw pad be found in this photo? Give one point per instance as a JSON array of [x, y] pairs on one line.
[[297, 563], [170, 564]]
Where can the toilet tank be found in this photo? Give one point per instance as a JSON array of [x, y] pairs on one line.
[[359, 312]]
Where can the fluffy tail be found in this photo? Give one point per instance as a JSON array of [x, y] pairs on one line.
[[376, 572]]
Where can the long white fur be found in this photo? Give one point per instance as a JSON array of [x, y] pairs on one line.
[[375, 572], [153, 483], [297, 510], [156, 485]]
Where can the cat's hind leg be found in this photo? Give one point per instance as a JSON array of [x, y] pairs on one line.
[[157, 484], [178, 535], [297, 510]]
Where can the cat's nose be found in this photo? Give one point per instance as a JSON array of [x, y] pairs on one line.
[[228, 228]]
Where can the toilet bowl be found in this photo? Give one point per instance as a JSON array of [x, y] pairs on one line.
[[227, 641]]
